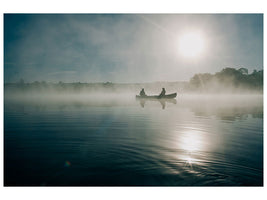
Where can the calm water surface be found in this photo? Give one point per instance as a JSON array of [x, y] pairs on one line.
[[193, 141]]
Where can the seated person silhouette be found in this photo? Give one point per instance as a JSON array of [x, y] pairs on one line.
[[162, 93], [142, 93]]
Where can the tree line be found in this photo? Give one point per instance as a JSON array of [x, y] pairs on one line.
[[228, 79]]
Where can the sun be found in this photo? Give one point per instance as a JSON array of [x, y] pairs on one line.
[[191, 44]]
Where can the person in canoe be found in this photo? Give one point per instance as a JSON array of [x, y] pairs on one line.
[[162, 93], [142, 93]]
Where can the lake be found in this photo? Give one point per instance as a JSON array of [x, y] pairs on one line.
[[108, 140]]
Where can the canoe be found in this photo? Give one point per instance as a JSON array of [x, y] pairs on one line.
[[167, 96]]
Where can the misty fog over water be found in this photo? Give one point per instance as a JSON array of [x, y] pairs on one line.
[[115, 139]]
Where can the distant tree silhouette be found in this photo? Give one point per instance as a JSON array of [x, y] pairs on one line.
[[200, 80], [228, 78], [243, 70]]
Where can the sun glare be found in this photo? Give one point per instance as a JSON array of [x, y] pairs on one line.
[[191, 44]]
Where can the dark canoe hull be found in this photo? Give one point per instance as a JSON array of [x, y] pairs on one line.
[[168, 96]]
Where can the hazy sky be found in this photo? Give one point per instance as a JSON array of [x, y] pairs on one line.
[[126, 48]]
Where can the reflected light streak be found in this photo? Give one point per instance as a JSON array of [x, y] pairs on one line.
[[188, 161], [192, 141]]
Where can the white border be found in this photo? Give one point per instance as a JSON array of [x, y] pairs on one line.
[[124, 6], [133, 6]]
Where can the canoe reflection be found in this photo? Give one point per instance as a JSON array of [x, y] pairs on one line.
[[161, 101]]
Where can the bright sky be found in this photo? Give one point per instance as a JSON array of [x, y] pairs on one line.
[[128, 48]]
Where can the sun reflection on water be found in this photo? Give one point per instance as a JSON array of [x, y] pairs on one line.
[[189, 161], [193, 143]]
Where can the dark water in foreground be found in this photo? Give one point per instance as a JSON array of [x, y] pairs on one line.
[[196, 141]]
